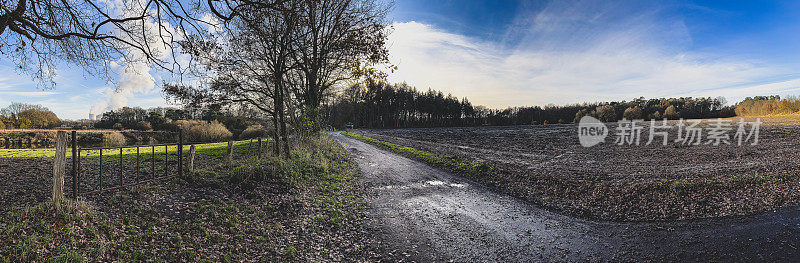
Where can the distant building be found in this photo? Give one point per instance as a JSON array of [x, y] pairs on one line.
[[91, 117]]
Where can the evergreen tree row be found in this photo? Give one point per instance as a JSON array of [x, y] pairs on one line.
[[382, 105]]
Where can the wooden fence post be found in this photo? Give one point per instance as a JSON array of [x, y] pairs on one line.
[[259, 147], [59, 165], [121, 166], [74, 165], [180, 153], [229, 156], [191, 159]]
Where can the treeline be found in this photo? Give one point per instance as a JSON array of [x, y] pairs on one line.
[[27, 116], [768, 105], [381, 105]]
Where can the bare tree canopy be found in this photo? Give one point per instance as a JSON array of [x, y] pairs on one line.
[[93, 34], [283, 58], [249, 64], [341, 40]]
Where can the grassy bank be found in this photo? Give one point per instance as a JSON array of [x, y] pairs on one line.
[[448, 162], [305, 208]]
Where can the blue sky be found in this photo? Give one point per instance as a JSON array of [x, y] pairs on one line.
[[508, 53], [515, 53]]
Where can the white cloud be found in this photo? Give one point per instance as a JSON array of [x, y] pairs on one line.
[[571, 53], [134, 76], [211, 23]]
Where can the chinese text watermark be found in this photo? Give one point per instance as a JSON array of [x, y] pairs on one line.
[[592, 131]]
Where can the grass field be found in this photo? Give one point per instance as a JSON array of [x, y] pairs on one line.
[[205, 148]]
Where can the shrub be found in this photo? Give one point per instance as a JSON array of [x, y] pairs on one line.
[[254, 131], [606, 113], [204, 132], [655, 116], [581, 114], [37, 119], [2, 125], [142, 126], [113, 139], [186, 123], [117, 126], [90, 138], [633, 113], [172, 126], [671, 113]]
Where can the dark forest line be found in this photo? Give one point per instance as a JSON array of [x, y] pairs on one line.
[[382, 105]]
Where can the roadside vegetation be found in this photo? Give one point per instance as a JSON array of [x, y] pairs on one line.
[[304, 208], [473, 168]]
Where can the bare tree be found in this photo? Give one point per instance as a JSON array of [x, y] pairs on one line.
[[16, 107], [36, 34], [284, 58], [250, 64], [275, 30], [340, 40]]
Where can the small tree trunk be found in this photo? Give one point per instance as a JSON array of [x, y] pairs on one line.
[[59, 165], [284, 138], [180, 153], [229, 156], [191, 160], [275, 134], [259, 147], [282, 122]]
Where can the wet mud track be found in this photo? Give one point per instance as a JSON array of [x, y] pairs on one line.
[[426, 214]]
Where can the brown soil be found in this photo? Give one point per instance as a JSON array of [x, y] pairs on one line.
[[548, 166]]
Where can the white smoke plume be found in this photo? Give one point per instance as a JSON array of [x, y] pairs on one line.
[[134, 78], [133, 75]]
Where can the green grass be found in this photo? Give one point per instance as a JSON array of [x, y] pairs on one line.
[[217, 149], [684, 187], [474, 168]]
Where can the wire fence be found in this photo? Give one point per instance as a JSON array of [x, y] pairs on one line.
[[95, 170], [25, 143]]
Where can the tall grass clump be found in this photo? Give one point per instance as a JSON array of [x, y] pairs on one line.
[[199, 131], [113, 139], [254, 131]]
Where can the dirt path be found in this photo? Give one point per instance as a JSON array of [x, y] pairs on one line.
[[426, 214]]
